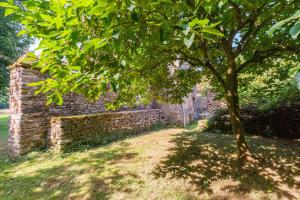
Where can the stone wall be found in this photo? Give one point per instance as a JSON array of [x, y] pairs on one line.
[[29, 115], [179, 114], [70, 130], [205, 103], [30, 118]]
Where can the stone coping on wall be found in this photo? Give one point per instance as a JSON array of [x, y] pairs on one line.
[[21, 62], [105, 113]]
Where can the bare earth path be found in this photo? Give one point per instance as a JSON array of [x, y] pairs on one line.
[[166, 164]]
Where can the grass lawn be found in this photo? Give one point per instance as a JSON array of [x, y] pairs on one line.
[[3, 132], [167, 164]]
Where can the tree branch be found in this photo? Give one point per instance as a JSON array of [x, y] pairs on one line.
[[252, 31], [212, 68], [199, 63], [238, 12], [259, 56]]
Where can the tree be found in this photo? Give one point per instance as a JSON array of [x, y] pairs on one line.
[[11, 47], [273, 85], [294, 32], [130, 46]]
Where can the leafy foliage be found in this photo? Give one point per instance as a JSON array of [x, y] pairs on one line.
[[294, 30], [273, 85], [11, 47], [154, 49], [88, 46]]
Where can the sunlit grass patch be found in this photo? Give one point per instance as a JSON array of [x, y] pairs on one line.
[[3, 126], [3, 135]]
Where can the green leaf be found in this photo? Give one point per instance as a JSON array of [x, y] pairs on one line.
[[76, 68], [295, 30], [9, 11], [46, 18], [29, 57], [221, 3], [283, 22], [295, 16], [214, 24], [5, 5], [131, 7], [212, 31], [189, 41], [97, 10], [84, 4], [39, 83], [277, 26], [60, 100], [22, 32], [199, 22], [96, 43]]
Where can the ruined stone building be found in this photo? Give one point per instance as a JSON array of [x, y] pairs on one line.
[[34, 125]]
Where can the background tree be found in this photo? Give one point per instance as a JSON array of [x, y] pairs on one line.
[[11, 47], [274, 84], [133, 45]]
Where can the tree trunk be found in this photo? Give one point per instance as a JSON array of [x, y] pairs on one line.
[[237, 128], [231, 93]]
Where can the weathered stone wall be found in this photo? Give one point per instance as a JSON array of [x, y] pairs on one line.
[[179, 114], [66, 131], [205, 103], [29, 115]]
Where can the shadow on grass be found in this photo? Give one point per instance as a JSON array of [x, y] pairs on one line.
[[88, 175], [203, 158], [79, 174]]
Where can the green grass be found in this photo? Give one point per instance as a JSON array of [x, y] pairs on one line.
[[165, 164], [3, 126], [3, 134]]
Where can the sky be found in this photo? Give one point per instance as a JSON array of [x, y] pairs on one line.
[[33, 46]]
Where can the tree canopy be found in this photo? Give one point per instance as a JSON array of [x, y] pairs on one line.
[[294, 22], [11, 47], [133, 46]]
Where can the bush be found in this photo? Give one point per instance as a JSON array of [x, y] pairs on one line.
[[282, 121]]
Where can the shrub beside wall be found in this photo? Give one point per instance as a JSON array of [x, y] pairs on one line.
[[282, 121]]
